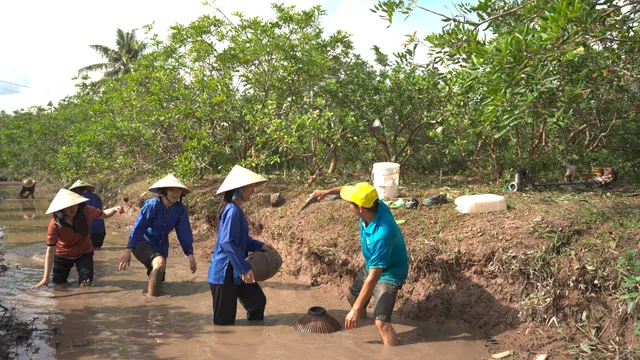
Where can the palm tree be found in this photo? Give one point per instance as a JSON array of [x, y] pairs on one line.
[[119, 61]]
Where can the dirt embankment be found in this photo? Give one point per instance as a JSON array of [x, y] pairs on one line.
[[547, 275]]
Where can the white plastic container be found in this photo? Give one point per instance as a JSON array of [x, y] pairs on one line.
[[386, 178], [472, 204]]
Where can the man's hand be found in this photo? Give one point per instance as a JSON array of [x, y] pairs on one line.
[[320, 194], [351, 321], [192, 263], [248, 278], [125, 260]]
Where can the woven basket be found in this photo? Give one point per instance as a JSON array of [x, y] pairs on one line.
[[317, 321], [264, 263]]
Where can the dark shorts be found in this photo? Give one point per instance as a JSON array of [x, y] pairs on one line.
[[145, 253], [384, 296], [97, 239], [62, 268]]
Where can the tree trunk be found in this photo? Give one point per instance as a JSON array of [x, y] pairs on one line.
[[494, 155], [519, 147], [334, 161]]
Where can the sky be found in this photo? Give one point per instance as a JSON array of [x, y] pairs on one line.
[[43, 43]]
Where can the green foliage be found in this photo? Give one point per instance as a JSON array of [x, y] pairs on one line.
[[543, 81], [515, 83], [631, 263]]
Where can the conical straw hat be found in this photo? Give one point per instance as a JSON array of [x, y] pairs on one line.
[[28, 182], [65, 198], [167, 182], [239, 177], [81, 183]]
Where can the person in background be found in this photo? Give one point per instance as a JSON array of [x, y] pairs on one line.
[[149, 238], [385, 254], [68, 242], [28, 189], [230, 275], [98, 231]]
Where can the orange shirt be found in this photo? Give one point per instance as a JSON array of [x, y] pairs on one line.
[[70, 244]]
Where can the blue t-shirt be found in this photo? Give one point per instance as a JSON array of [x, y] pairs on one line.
[[232, 247], [383, 247], [155, 222], [97, 226]]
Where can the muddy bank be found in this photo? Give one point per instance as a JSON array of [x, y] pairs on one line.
[[544, 276]]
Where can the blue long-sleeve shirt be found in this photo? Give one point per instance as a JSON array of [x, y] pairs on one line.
[[233, 246], [155, 222], [97, 226]]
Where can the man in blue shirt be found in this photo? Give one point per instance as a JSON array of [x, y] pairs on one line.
[[386, 261]]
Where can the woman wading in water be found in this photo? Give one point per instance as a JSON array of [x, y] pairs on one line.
[[68, 238], [98, 231], [230, 276], [149, 239]]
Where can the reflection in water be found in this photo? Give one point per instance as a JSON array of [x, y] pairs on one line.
[[113, 319], [28, 207]]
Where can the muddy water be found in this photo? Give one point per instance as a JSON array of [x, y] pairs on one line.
[[113, 319]]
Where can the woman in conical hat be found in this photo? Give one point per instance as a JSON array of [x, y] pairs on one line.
[[98, 230], [68, 238], [27, 189], [149, 238], [230, 276]]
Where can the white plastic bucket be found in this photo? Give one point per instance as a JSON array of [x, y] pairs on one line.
[[386, 178]]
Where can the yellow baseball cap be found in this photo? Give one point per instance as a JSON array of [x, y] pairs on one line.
[[362, 194]]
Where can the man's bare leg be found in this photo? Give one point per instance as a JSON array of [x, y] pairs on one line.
[[155, 277], [387, 333]]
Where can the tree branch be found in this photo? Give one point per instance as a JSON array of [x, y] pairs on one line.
[[475, 24], [413, 132], [604, 134], [576, 131]]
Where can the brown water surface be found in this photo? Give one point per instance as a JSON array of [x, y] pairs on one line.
[[113, 319]]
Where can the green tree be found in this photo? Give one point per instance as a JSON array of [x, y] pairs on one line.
[[119, 60], [555, 78]]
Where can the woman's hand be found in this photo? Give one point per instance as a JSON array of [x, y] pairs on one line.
[[116, 210], [125, 260], [111, 211], [248, 278], [192, 263], [44, 282]]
